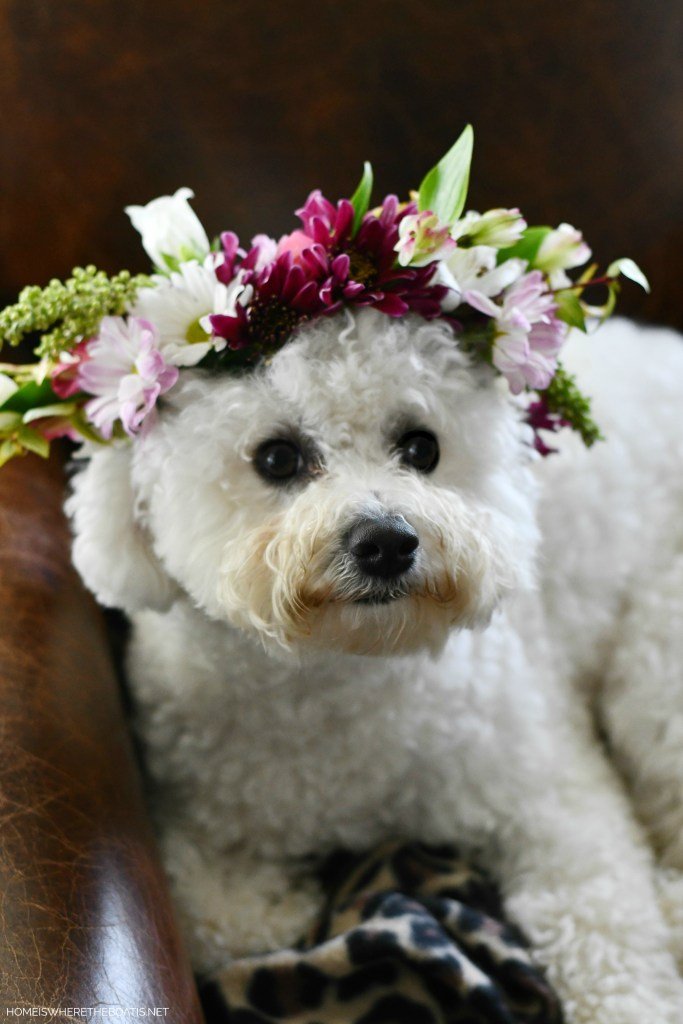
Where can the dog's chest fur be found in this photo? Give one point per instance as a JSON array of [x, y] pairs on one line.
[[341, 751]]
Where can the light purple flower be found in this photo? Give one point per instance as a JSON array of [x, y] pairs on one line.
[[528, 335], [126, 373]]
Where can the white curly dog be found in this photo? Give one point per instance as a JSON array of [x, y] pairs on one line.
[[363, 609]]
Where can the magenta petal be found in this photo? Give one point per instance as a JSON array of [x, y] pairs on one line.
[[352, 289], [294, 282], [344, 219], [389, 210], [340, 266], [228, 327], [326, 291], [230, 243], [392, 305], [320, 231], [307, 298], [225, 271], [315, 260]]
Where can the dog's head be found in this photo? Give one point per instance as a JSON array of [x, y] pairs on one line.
[[366, 490]]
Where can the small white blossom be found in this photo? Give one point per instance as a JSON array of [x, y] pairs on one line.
[[499, 228], [171, 231], [474, 269], [560, 250], [422, 239]]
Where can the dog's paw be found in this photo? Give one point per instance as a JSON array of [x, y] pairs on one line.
[[237, 905]]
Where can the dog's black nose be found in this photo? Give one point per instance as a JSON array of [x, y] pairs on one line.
[[383, 547]]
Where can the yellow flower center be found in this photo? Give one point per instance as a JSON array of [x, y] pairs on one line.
[[195, 333]]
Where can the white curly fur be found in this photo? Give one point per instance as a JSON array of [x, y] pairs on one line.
[[269, 732]]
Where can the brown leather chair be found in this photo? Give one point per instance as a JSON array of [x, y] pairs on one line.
[[577, 110]]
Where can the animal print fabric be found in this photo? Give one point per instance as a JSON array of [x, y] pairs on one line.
[[409, 935]]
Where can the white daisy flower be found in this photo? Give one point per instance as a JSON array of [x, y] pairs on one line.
[[177, 304]]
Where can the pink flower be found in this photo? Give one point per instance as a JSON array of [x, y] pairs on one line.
[[54, 427], [65, 379], [126, 372], [528, 335], [294, 243]]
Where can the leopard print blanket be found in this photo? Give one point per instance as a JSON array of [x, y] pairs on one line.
[[409, 935]]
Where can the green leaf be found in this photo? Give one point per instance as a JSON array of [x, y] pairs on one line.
[[9, 421], [630, 269], [360, 200], [527, 247], [34, 442], [85, 429], [444, 189], [59, 409], [30, 396], [8, 450], [570, 310]]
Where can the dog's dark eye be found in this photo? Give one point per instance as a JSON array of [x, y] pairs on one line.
[[278, 460], [419, 449]]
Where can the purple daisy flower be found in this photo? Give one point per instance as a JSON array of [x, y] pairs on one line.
[[125, 372], [315, 271]]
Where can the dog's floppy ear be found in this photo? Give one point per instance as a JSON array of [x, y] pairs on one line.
[[112, 549]]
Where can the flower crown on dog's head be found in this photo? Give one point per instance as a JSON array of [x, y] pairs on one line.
[[111, 346]]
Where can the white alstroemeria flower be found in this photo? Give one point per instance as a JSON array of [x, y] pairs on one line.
[[499, 228], [474, 269], [7, 388], [422, 239], [177, 304], [171, 231], [561, 250]]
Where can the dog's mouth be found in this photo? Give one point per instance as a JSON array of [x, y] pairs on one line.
[[374, 599]]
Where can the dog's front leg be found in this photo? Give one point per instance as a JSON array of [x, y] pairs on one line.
[[578, 878], [235, 904]]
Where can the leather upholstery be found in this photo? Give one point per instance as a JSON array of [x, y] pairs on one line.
[[85, 918]]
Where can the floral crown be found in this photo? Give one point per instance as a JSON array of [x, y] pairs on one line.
[[109, 347]]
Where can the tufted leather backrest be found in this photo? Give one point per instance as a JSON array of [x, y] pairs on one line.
[[577, 111]]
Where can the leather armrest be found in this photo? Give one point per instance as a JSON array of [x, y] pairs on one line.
[[85, 917]]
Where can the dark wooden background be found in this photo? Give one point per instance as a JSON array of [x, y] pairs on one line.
[[577, 108]]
